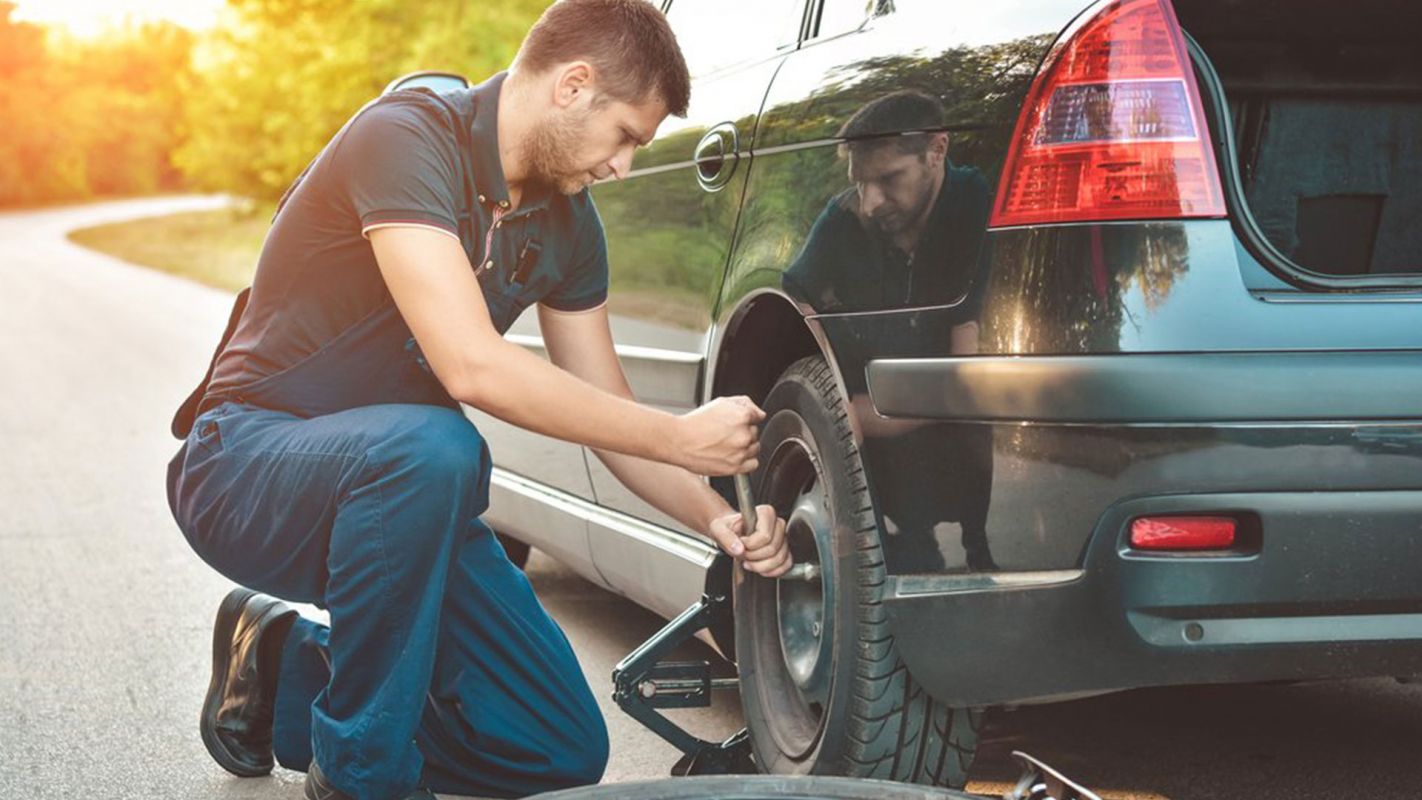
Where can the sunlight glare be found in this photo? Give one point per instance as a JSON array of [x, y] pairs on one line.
[[93, 17]]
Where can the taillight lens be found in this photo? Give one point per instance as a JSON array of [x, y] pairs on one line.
[[1113, 127], [1183, 533]]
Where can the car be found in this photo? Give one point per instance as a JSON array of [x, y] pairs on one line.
[[1090, 341]]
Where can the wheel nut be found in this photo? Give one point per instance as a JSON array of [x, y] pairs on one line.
[[815, 628]]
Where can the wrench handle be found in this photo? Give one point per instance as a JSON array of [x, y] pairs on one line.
[[747, 503]]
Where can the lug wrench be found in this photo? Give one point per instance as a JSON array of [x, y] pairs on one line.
[[799, 572]]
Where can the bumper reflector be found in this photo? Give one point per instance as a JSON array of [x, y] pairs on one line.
[[1183, 533]]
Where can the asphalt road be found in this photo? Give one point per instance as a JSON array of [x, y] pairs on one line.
[[105, 615]]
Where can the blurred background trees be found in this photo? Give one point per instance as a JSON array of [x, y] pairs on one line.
[[240, 108], [80, 118], [279, 79]]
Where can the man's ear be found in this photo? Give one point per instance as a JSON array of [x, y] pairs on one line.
[[938, 146], [574, 80]]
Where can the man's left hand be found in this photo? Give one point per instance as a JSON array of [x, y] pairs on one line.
[[765, 551]]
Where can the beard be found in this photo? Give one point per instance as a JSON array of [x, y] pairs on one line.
[[900, 219], [550, 153]]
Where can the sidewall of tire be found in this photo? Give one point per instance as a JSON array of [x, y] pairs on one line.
[[795, 394]]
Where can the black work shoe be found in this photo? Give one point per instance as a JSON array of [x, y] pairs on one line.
[[318, 788], [236, 720]]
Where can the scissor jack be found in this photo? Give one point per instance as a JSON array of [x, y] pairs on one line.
[[642, 683]]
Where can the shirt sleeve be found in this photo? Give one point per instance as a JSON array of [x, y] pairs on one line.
[[398, 169], [815, 276], [585, 286]]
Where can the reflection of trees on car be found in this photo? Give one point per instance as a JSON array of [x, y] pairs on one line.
[[661, 253], [1078, 274], [980, 89]]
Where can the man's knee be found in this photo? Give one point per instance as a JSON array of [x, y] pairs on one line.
[[432, 445], [583, 759]]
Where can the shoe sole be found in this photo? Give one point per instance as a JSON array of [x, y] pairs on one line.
[[228, 615]]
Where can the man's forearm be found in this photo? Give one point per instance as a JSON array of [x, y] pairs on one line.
[[681, 495], [522, 389]]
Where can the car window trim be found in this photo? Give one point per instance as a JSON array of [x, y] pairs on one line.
[[812, 23]]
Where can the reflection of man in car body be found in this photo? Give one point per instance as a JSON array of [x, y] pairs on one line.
[[909, 233]]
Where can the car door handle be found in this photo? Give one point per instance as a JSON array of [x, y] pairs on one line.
[[716, 157]]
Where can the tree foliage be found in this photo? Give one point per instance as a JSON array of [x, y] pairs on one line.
[[239, 109], [88, 117], [279, 77]]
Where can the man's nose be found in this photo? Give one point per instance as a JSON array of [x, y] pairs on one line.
[[621, 163], [870, 198]]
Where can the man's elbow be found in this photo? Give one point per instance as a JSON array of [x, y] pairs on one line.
[[466, 380], [470, 385], [476, 377]]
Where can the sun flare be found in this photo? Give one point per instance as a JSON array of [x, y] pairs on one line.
[[92, 17]]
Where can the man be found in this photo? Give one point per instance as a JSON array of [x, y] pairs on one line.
[[910, 233], [329, 461]]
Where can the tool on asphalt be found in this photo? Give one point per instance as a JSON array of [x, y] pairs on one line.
[[1041, 782]]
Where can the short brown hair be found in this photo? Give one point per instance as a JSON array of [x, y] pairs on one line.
[[628, 42]]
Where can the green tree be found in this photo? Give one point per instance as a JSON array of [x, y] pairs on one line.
[[86, 117], [279, 77]]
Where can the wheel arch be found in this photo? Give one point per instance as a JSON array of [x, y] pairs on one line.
[[758, 339]]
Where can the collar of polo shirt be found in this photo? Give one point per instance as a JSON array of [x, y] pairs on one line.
[[488, 170]]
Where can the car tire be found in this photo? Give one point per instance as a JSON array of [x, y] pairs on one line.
[[822, 685], [754, 787], [517, 551]]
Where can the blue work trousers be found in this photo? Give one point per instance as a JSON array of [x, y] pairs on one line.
[[440, 668]]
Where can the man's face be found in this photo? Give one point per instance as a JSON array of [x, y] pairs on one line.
[[895, 188], [590, 140]]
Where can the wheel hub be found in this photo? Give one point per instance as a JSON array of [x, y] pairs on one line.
[[806, 631]]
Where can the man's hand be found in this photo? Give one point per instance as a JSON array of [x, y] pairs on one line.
[[765, 552], [719, 438]]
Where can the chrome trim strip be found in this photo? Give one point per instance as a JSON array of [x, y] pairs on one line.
[[690, 550], [631, 351], [905, 586], [1270, 631], [1369, 298]]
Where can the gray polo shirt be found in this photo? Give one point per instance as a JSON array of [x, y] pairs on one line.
[[398, 162]]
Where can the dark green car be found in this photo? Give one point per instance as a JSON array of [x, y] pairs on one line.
[[1091, 339]]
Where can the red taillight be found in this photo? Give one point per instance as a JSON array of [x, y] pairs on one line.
[[1113, 127], [1183, 533]]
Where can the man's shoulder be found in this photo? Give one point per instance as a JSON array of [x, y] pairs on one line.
[[408, 117], [578, 212], [966, 179]]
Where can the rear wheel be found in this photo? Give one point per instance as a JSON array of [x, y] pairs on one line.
[[822, 685]]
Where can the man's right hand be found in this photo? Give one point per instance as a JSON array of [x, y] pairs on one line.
[[719, 438]]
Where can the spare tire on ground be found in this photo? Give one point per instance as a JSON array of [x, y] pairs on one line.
[[756, 787]]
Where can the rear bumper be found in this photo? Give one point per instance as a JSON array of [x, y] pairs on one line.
[[1332, 590], [1153, 388]]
